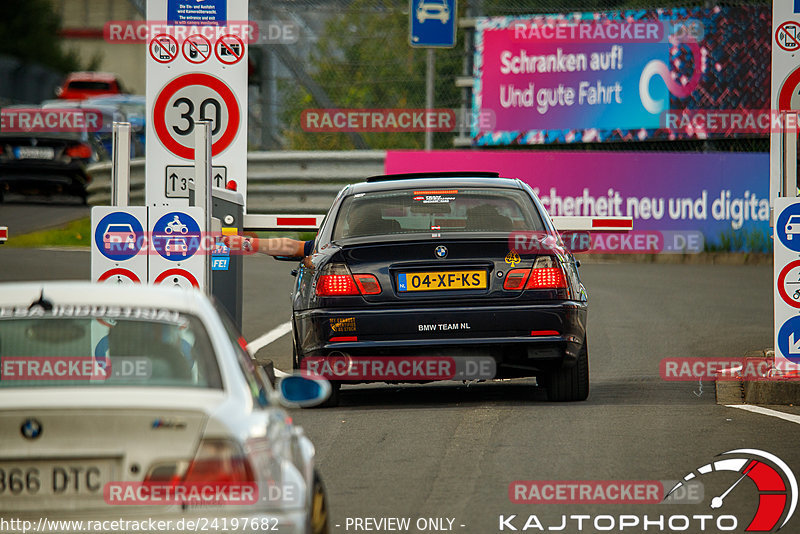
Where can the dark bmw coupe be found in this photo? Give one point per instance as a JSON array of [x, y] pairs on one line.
[[426, 265]]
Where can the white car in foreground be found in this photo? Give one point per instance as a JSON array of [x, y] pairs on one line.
[[129, 408]]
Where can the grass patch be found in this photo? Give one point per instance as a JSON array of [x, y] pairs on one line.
[[73, 234]]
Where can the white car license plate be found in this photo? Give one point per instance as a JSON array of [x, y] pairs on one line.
[[34, 152], [63, 478]]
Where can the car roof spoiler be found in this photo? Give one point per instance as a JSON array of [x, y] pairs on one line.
[[442, 174]]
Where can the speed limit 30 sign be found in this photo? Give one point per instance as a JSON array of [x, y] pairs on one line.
[[192, 97], [200, 80]]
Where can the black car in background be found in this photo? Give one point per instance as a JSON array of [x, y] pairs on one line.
[[399, 253], [44, 163]]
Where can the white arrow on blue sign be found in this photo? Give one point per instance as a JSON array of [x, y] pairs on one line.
[[432, 23]]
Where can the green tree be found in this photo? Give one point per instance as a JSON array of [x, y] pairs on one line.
[[30, 31], [363, 60]]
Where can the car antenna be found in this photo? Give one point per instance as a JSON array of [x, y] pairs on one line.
[[42, 302]]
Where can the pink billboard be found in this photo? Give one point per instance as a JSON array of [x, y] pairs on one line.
[[722, 195]]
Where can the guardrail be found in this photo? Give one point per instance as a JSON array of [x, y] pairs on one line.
[[277, 182]]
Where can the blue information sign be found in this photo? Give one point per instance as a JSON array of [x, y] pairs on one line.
[[197, 12], [176, 236], [432, 23], [787, 227], [789, 339], [119, 236]]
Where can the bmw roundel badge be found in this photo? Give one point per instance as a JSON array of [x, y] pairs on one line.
[[441, 251], [31, 429]]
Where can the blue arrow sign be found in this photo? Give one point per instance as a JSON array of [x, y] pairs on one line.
[[432, 23], [789, 339]]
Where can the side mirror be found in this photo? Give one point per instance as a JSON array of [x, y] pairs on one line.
[[302, 392]]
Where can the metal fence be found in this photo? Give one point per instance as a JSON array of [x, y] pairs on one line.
[[355, 54], [278, 182]]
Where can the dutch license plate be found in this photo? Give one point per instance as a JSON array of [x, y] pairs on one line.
[[83, 478], [34, 152], [441, 280]]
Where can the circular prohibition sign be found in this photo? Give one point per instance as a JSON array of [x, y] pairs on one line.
[[186, 80], [789, 89], [782, 284], [121, 272], [177, 272]]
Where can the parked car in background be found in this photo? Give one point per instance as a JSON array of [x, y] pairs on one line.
[[110, 113], [45, 151], [133, 106], [82, 85]]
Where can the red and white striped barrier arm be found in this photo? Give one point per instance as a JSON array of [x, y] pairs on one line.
[[593, 224], [3, 234], [256, 221]]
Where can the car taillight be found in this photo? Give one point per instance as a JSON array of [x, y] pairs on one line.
[[545, 274], [367, 284], [515, 279], [80, 151], [335, 280], [332, 285], [219, 461]]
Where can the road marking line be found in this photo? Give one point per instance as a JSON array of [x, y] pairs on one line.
[[766, 411], [274, 334]]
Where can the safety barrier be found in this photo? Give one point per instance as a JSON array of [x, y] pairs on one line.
[[278, 182]]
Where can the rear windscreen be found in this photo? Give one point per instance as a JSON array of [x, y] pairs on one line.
[[170, 349], [442, 211]]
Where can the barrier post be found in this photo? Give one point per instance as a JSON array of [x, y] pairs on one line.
[[202, 187], [121, 164]]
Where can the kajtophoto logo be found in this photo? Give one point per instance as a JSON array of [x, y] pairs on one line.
[[775, 482], [719, 485]]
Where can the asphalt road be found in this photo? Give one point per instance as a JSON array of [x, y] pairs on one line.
[[23, 215], [450, 451]]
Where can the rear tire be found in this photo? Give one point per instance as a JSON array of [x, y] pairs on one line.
[[318, 515], [333, 400], [570, 384]]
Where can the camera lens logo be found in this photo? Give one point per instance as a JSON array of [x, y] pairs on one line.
[[658, 67], [774, 481]]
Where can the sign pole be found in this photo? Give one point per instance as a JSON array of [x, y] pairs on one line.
[[202, 189], [121, 164], [429, 85], [785, 216]]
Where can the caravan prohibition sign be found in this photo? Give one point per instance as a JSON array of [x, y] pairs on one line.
[[176, 109]]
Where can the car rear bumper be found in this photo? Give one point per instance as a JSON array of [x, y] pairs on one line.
[[522, 339]]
